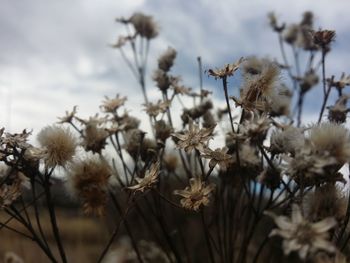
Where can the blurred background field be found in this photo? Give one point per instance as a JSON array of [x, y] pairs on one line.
[[84, 238]]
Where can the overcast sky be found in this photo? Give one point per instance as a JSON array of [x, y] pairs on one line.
[[55, 54]]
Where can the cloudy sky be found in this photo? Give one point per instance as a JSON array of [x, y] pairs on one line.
[[55, 54]]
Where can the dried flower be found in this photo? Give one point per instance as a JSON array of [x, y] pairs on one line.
[[332, 140], [180, 89], [288, 141], [89, 181], [326, 200], [163, 130], [309, 80], [166, 60], [59, 144], [194, 138], [256, 128], [338, 112], [271, 177], [290, 34], [280, 101], [226, 71], [94, 136], [341, 83], [196, 195], [274, 24], [111, 105], [69, 116], [154, 109], [144, 25], [150, 178], [128, 122], [162, 79], [134, 138], [302, 236], [323, 38], [196, 112], [218, 156], [260, 82], [12, 184], [15, 140]]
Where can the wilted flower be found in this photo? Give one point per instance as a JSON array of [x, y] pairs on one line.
[[162, 79], [338, 112], [94, 137], [256, 128], [163, 130], [196, 195], [128, 122], [323, 38], [59, 144], [144, 25], [15, 140], [218, 156], [287, 141], [194, 138], [332, 140], [290, 34], [69, 116], [260, 82], [279, 101], [271, 177], [89, 181], [226, 71], [11, 187], [154, 109], [166, 60], [180, 89], [326, 200], [197, 111], [150, 178], [309, 80], [274, 23], [111, 105], [341, 83], [303, 236]]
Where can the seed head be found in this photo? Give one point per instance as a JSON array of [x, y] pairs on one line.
[[59, 144]]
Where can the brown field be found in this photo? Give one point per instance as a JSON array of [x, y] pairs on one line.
[[83, 238]]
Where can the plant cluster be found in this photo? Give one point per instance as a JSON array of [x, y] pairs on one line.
[[275, 190]]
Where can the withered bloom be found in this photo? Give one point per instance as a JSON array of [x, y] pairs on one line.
[[196, 195], [69, 116], [194, 138], [11, 189], [323, 38], [303, 236], [144, 25], [338, 112], [94, 136], [89, 181], [226, 71], [218, 156], [150, 178], [166, 60], [59, 145], [111, 105], [154, 109]]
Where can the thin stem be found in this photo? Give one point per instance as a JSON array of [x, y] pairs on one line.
[[224, 83], [207, 239], [53, 217]]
